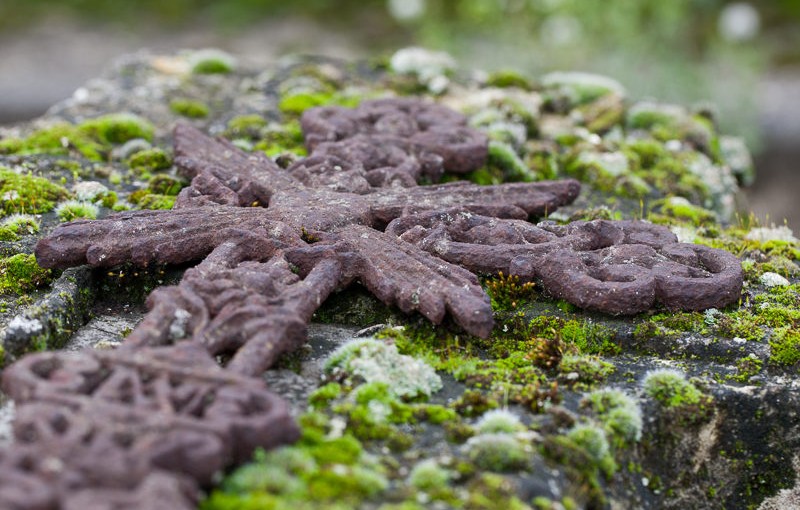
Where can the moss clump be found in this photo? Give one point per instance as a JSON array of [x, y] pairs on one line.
[[498, 452], [20, 273], [429, 476], [669, 122], [671, 389], [679, 207], [147, 200], [17, 225], [117, 128], [25, 193], [295, 104], [317, 472], [162, 184], [92, 139], [507, 292], [506, 159], [508, 78], [592, 440], [189, 108], [748, 367], [785, 346], [583, 371], [564, 90], [618, 412], [148, 161], [73, 209], [211, 61], [607, 171], [245, 126], [588, 337]]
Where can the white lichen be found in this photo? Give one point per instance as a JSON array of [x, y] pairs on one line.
[[765, 234], [23, 325], [770, 279], [373, 361], [89, 191]]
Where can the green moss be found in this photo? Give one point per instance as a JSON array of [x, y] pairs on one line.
[[17, 225], [284, 138], [189, 108], [27, 194], [295, 104], [245, 126], [74, 209], [162, 184], [20, 273], [681, 208], [618, 412], [647, 152], [149, 160], [592, 440], [671, 389], [61, 138], [506, 292], [584, 370], [473, 403], [609, 171], [504, 157], [92, 139], [785, 346], [315, 473], [435, 414], [117, 128], [211, 62], [671, 325], [508, 78], [588, 337], [746, 368], [498, 452], [740, 324], [321, 397], [490, 491], [155, 201], [429, 476]]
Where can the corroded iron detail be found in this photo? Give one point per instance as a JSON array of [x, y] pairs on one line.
[[108, 420], [615, 267]]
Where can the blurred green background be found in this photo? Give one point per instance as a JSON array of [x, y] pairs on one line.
[[744, 57]]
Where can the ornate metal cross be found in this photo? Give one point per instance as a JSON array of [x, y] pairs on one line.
[[141, 426]]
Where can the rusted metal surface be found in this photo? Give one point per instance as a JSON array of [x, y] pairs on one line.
[[146, 425], [615, 267]]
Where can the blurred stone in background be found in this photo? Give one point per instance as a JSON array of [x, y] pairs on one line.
[[743, 57]]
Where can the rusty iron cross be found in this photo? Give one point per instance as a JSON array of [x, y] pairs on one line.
[[145, 425]]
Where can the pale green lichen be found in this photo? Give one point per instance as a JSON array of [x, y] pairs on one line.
[[373, 360]]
